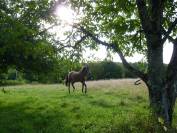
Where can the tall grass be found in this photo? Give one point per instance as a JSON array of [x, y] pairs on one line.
[[112, 106]]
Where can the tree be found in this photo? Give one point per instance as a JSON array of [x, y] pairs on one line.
[[20, 38], [106, 70], [25, 43], [141, 26]]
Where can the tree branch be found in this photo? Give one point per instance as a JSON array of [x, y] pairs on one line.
[[46, 29], [71, 46], [172, 40], [171, 76], [171, 69], [142, 9], [113, 46], [82, 39], [167, 33], [65, 46], [169, 37]]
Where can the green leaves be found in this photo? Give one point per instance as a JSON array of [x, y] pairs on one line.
[[115, 21], [118, 21], [20, 42]]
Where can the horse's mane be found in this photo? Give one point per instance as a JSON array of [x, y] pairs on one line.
[[84, 68]]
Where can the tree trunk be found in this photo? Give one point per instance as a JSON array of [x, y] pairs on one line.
[[162, 87], [159, 103], [171, 82], [171, 95], [158, 95]]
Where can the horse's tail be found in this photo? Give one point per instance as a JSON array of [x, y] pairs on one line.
[[66, 80]]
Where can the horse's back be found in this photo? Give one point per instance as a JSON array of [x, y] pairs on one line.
[[73, 73], [75, 76]]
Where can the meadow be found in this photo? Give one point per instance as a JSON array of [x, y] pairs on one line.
[[110, 106]]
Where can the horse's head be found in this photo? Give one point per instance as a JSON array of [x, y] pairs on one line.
[[86, 71]]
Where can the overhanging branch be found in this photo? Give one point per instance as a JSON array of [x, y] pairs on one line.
[[167, 33], [62, 46], [113, 46], [169, 37], [82, 39], [171, 69], [172, 40], [142, 10], [46, 29]]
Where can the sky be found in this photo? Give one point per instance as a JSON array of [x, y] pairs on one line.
[[67, 16], [102, 53]]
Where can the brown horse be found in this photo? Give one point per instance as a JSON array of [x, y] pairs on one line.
[[80, 76]]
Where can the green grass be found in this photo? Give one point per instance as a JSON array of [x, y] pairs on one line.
[[114, 106]]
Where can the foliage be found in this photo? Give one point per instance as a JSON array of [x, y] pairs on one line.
[[99, 70], [119, 22], [140, 26], [109, 70], [27, 46], [114, 20], [22, 42], [57, 75], [126, 26], [12, 82]]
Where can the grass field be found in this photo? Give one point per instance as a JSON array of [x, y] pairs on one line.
[[111, 106]]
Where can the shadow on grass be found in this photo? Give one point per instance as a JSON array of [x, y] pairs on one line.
[[136, 124], [102, 103], [26, 117], [20, 118], [105, 104]]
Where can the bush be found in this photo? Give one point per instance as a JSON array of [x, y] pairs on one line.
[[109, 70], [12, 82]]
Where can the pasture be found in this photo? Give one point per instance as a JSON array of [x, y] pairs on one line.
[[110, 106]]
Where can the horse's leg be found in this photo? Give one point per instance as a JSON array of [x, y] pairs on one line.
[[69, 87], [85, 87], [82, 87], [73, 86]]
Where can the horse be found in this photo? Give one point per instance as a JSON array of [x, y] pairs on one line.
[[80, 76]]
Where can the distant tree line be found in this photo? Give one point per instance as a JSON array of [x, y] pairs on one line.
[[112, 70], [100, 70], [56, 75]]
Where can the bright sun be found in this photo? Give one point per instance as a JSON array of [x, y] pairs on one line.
[[65, 14]]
